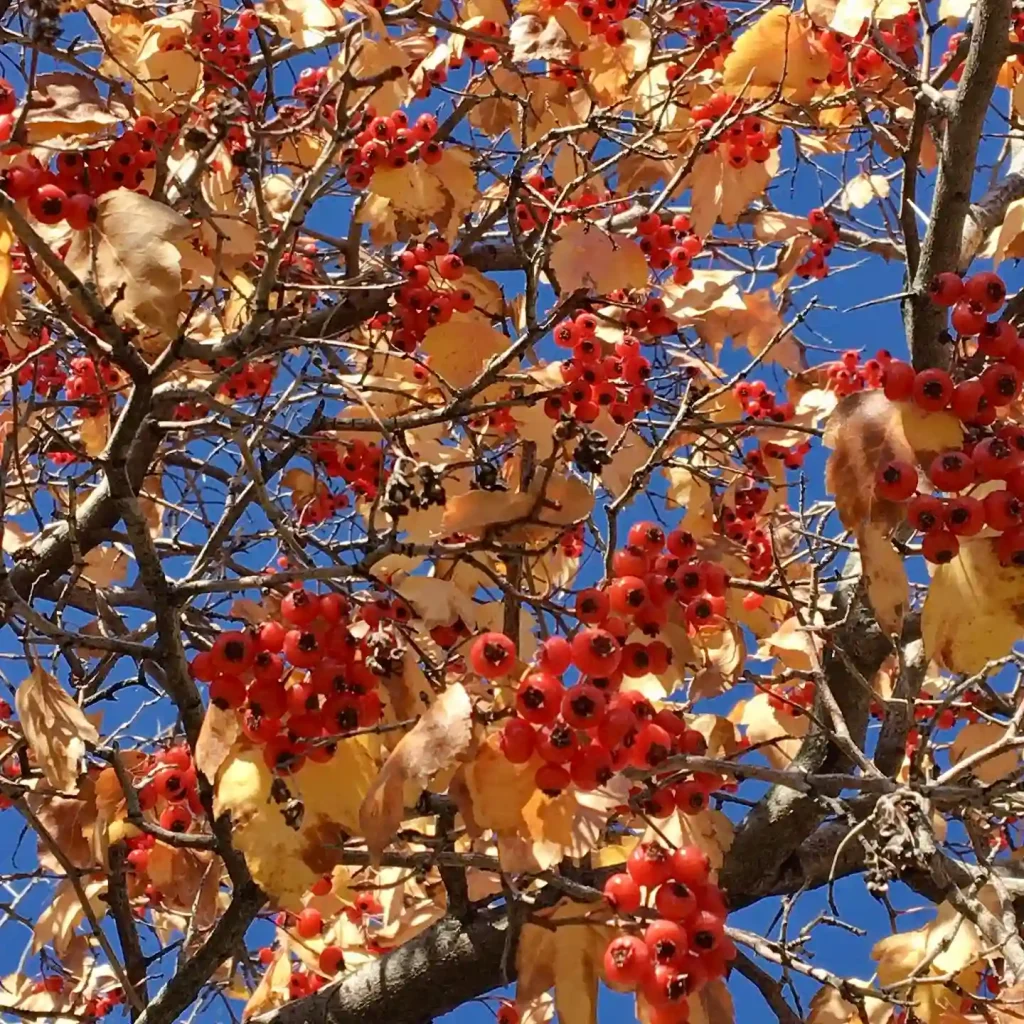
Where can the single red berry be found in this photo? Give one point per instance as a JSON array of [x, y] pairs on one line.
[[940, 546], [650, 864], [518, 741], [492, 655], [952, 471], [690, 864], [675, 901], [896, 481], [925, 512], [539, 698], [946, 288], [932, 390], [623, 893], [309, 923], [627, 962]]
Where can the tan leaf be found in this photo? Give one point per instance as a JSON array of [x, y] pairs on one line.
[[273, 988], [437, 602], [888, 587], [69, 105], [779, 49], [218, 734], [57, 730], [64, 912], [977, 736], [131, 247], [829, 1007], [862, 189], [773, 226], [994, 596], [611, 68], [953, 946], [413, 191], [94, 432], [104, 565], [776, 734], [568, 958], [534, 38], [586, 257], [440, 738]]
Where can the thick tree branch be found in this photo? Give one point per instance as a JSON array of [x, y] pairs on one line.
[[940, 250]]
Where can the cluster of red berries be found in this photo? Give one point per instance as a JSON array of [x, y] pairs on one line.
[[427, 298], [991, 453], [295, 721], [970, 303], [669, 243], [853, 59], [586, 203], [743, 524], [952, 45], [67, 190], [253, 380], [745, 139], [602, 17], [586, 732], [848, 375], [390, 142], [43, 372], [826, 234], [90, 383], [97, 1006], [572, 541], [594, 381], [357, 463], [223, 49], [684, 947], [707, 26]]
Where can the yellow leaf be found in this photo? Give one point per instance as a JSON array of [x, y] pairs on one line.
[[414, 192], [458, 180], [94, 432], [131, 247], [459, 349], [779, 49], [56, 729], [973, 611], [773, 226], [535, 38], [286, 858], [568, 957], [218, 734], [888, 587], [929, 432], [440, 738], [584, 256]]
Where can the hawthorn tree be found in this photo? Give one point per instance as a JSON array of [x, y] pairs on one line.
[[418, 575]]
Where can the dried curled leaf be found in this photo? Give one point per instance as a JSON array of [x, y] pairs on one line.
[[56, 728], [442, 736], [131, 257]]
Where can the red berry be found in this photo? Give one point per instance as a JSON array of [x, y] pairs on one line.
[[552, 779], [331, 960], [944, 289], [932, 390], [994, 458], [1010, 547], [47, 204], [646, 535], [539, 698], [987, 289], [623, 893], [309, 923], [940, 546], [898, 381], [968, 318], [652, 745], [666, 941], [591, 766], [627, 962], [650, 864], [175, 818], [518, 741], [690, 864], [925, 512], [675, 900], [555, 655], [896, 481], [969, 400], [964, 516], [592, 605], [1002, 383], [952, 471], [557, 743], [583, 706], [1003, 510], [595, 652], [492, 655], [508, 1013]]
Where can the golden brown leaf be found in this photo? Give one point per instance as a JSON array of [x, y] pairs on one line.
[[778, 51], [69, 105], [888, 587], [977, 736], [584, 256]]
